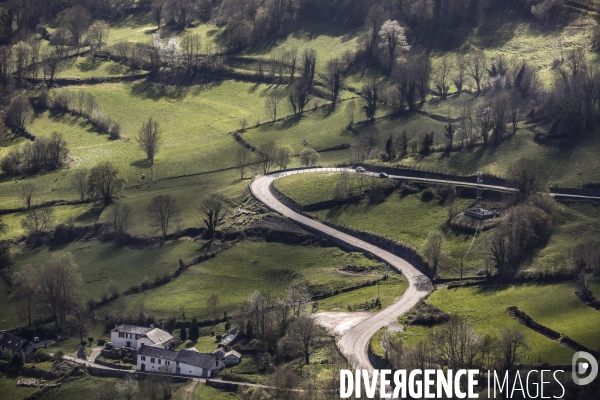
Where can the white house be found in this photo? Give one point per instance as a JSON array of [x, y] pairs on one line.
[[184, 362], [232, 358], [133, 336]]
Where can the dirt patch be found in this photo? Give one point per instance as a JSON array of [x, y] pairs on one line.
[[340, 322]]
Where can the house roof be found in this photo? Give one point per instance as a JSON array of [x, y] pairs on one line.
[[233, 353], [158, 336], [12, 342], [190, 357], [138, 330]]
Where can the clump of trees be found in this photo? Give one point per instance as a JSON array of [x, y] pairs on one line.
[[44, 153]]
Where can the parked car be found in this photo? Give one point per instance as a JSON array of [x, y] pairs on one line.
[[383, 175], [360, 170], [36, 339]]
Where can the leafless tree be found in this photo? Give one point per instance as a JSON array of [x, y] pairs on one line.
[[433, 250], [79, 182], [309, 157], [97, 35], [512, 344], [38, 220], [25, 289], [442, 77], [576, 60], [104, 182], [79, 319], [213, 209], [283, 156], [19, 111], [350, 112], [265, 156], [149, 139], [460, 69], [242, 160], [272, 105], [370, 95], [27, 192], [298, 296], [191, 47], [527, 176], [304, 335], [334, 78], [60, 283], [76, 21], [119, 217], [477, 63], [212, 303], [163, 209]]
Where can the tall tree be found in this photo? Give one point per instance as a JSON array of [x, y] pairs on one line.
[[242, 160], [119, 218], [212, 303], [283, 156], [477, 63], [334, 79], [460, 69], [370, 95], [25, 289], [442, 79], [76, 22], [19, 112], [392, 37], [309, 157], [265, 156], [149, 139], [60, 283], [79, 182], [38, 220], [27, 192], [306, 336], [527, 176], [163, 209], [104, 182], [213, 208], [433, 250], [98, 35]]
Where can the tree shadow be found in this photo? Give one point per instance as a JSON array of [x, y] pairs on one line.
[[143, 163], [89, 64], [158, 91]]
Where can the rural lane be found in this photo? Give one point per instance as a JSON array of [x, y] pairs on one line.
[[354, 341]]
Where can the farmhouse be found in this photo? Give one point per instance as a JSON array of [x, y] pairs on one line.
[[230, 358], [184, 362], [11, 344], [134, 336]]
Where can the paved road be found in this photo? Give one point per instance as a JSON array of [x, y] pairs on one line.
[[353, 343]]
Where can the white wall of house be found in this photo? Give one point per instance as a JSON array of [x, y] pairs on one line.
[[128, 338], [155, 364], [231, 360]]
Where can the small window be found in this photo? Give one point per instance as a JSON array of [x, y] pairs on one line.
[[159, 360], [143, 358], [152, 360], [167, 362]]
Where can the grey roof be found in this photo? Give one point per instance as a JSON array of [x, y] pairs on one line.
[[138, 330], [190, 357], [233, 353], [158, 336], [158, 352], [12, 342]]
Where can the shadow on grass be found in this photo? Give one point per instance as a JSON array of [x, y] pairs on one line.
[[158, 91], [143, 163], [89, 64]]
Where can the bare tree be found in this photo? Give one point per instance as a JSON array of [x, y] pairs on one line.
[[27, 192], [309, 157], [163, 209], [334, 78], [272, 105], [213, 208], [283, 156], [25, 289], [79, 319], [76, 21], [191, 46], [442, 77], [242, 160], [512, 344], [104, 182], [477, 63], [460, 68], [433, 250], [212, 303], [19, 111], [79, 182], [306, 336], [119, 217], [38, 220], [60, 283], [576, 60], [97, 35], [370, 95], [149, 139], [265, 156], [350, 112], [527, 176], [298, 296]]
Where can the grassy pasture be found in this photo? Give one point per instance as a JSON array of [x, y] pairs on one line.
[[243, 269], [101, 262], [88, 67], [553, 305], [10, 390]]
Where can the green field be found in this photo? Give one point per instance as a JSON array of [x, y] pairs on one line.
[[245, 268], [552, 305], [309, 189], [88, 67], [10, 390]]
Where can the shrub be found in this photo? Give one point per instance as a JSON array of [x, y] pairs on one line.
[[219, 337], [376, 194], [42, 355], [428, 194], [62, 233], [406, 189], [101, 342]]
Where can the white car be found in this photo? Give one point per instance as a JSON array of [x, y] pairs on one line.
[[360, 170]]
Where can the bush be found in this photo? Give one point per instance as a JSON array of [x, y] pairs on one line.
[[101, 342], [406, 189], [42, 355], [376, 194], [428, 194], [62, 233], [59, 355], [219, 337]]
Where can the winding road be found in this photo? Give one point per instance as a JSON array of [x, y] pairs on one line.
[[354, 341]]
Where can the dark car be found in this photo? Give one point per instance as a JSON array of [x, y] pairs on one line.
[[383, 175]]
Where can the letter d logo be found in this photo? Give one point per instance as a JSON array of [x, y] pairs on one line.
[[582, 368]]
